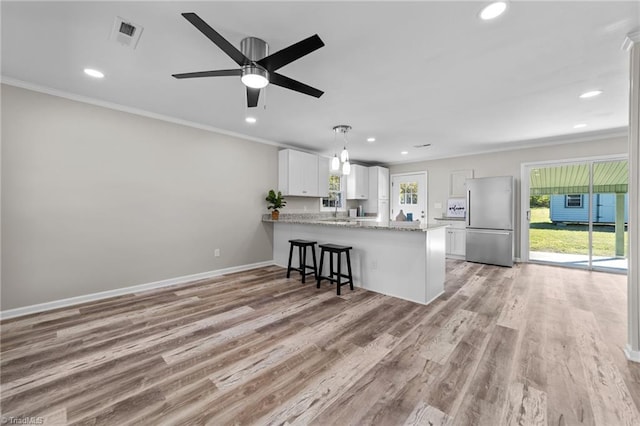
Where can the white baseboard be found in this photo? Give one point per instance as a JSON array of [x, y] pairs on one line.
[[63, 303], [631, 354]]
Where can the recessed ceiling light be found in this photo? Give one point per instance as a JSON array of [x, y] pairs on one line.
[[493, 10], [371, 139], [579, 126], [404, 152], [590, 94], [93, 73], [250, 120]]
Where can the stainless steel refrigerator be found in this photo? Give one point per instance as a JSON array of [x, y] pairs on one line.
[[490, 210]]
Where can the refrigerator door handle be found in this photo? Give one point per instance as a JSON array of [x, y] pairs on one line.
[[468, 208], [489, 231]]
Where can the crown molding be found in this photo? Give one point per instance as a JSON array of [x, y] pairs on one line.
[[596, 135], [136, 111], [631, 38]]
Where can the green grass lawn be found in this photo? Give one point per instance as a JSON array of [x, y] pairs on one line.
[[573, 239]]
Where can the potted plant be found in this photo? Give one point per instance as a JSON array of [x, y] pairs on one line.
[[276, 201]]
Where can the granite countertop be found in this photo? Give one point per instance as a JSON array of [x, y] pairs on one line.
[[343, 221]]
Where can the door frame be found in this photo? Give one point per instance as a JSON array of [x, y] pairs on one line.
[[425, 193], [525, 170]]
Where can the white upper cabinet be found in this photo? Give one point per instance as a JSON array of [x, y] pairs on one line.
[[302, 174], [358, 183], [323, 176], [378, 183]]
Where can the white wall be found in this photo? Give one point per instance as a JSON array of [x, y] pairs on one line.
[[502, 163], [95, 199]]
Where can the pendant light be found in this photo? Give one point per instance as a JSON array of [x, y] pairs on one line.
[[344, 155], [346, 168], [335, 163]]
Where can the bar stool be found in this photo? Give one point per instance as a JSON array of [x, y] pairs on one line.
[[302, 258], [335, 276]]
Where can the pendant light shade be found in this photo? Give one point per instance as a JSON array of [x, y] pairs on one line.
[[344, 155], [335, 163], [346, 168]]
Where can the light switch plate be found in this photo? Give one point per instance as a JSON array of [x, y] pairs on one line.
[[437, 206]]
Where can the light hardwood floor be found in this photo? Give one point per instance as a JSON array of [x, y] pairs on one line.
[[531, 345]]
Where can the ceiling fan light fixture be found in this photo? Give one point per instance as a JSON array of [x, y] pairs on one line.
[[255, 62], [254, 77]]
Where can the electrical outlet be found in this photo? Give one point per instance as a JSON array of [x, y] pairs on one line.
[[374, 265], [216, 252]]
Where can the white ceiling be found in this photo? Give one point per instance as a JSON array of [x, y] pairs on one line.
[[407, 73]]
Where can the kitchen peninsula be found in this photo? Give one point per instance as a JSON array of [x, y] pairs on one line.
[[391, 258]]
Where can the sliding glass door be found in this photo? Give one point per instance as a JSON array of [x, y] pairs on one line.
[[610, 211], [577, 214]]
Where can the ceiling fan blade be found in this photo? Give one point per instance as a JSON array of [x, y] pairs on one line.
[[291, 53], [252, 97], [216, 38], [289, 83], [216, 73]]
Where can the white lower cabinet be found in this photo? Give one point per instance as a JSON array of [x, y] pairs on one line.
[[456, 238], [456, 242]]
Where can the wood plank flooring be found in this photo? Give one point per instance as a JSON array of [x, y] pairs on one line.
[[531, 345]]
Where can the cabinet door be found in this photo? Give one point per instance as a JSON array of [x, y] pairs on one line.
[[449, 243], [310, 175], [383, 183], [358, 183], [323, 176], [458, 242], [298, 173]]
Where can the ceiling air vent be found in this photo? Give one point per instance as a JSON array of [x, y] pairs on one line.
[[126, 32], [424, 145]]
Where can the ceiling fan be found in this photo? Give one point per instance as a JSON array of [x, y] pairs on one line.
[[257, 66]]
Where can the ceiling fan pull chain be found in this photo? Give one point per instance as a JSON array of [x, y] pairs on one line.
[[264, 106]]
